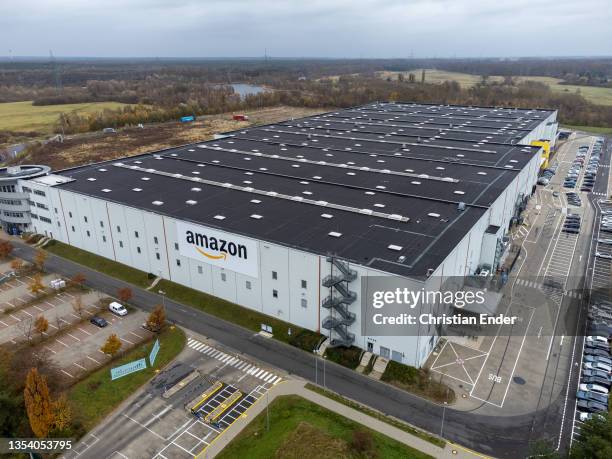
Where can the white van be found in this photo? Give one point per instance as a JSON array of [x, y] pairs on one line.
[[117, 308]]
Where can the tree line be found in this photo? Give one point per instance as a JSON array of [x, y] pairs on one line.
[[172, 102]]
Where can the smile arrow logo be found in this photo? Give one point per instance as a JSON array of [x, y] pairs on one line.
[[212, 257]]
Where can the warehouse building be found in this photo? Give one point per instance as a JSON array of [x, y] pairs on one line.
[[292, 219]]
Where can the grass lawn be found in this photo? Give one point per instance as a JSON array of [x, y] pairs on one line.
[[23, 116], [593, 129], [378, 415], [228, 311], [104, 265], [299, 428], [94, 397], [304, 339]]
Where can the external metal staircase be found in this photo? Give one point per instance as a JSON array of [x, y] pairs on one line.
[[338, 301]]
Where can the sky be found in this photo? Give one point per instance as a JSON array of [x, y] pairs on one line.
[[305, 28]]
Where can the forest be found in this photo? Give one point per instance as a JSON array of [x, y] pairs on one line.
[[162, 90]]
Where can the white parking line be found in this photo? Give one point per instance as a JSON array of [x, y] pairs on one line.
[[80, 366], [65, 372], [92, 359], [49, 349]]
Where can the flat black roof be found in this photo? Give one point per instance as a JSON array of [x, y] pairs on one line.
[[391, 203]]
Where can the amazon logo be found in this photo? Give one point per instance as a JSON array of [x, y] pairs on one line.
[[220, 248]]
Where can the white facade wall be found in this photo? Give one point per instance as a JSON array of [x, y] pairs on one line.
[[288, 285]]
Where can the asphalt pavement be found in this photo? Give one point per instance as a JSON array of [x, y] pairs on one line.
[[500, 436]]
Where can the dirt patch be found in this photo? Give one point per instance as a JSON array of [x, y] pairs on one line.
[[309, 441], [95, 147]]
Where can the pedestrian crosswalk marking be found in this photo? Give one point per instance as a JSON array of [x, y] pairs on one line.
[[246, 367]]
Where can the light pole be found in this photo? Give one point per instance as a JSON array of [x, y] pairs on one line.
[[443, 413], [316, 367], [324, 373], [163, 294], [267, 411]]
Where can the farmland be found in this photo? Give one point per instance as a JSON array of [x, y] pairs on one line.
[[25, 117], [596, 95]]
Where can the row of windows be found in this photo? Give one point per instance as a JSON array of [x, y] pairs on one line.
[[13, 214], [46, 220], [275, 277], [26, 189], [7, 188], [41, 206], [10, 202], [39, 193]]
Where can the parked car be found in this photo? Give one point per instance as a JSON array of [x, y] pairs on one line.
[[592, 396], [597, 366], [591, 406], [117, 308], [595, 359], [588, 416], [594, 388], [596, 352], [597, 339], [98, 321], [600, 381]]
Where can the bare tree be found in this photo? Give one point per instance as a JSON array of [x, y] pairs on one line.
[[26, 327]]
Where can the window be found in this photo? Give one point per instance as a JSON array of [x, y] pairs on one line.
[[304, 303], [274, 275], [41, 206], [223, 277], [118, 229], [178, 262], [70, 214], [304, 283], [176, 246], [101, 224], [38, 192], [120, 243], [138, 249], [25, 189], [7, 188], [157, 256], [136, 234], [88, 233], [55, 209], [275, 293], [85, 218], [200, 271], [73, 229], [45, 219], [14, 202], [248, 285], [58, 224], [155, 240], [34, 216], [103, 238]]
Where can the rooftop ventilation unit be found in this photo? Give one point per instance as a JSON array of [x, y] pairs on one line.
[[461, 206]]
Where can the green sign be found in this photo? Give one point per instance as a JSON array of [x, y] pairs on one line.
[[154, 352], [128, 368]]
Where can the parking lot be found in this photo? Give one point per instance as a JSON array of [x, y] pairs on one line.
[[71, 341], [225, 386], [594, 360]]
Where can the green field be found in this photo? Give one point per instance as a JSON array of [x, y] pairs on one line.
[[601, 96], [25, 117], [299, 428]]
